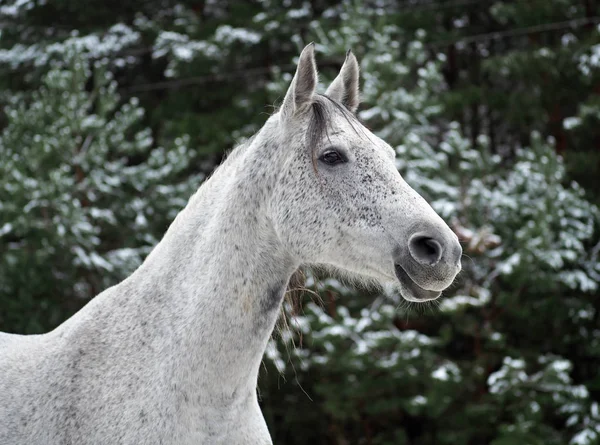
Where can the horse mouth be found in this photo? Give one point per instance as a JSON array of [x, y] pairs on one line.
[[410, 290]]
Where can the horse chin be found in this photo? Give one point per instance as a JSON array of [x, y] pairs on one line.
[[410, 290]]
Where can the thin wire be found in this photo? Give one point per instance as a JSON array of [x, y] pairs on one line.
[[250, 72], [195, 80], [516, 32], [177, 83], [409, 6]]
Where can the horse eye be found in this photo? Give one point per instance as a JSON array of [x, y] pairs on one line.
[[332, 157]]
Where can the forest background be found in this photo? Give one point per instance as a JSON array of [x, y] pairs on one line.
[[113, 112]]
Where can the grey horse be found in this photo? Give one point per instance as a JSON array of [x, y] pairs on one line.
[[171, 354]]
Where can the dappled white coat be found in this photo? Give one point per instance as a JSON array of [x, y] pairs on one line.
[[171, 355]]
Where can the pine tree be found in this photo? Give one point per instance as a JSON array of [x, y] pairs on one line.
[[483, 368], [181, 60], [89, 182], [84, 195]]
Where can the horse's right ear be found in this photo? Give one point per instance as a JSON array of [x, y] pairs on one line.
[[303, 86], [344, 88]]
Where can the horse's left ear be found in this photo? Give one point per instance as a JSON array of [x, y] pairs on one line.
[[345, 88], [303, 86]]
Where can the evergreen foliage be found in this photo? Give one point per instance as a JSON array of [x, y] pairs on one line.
[[113, 115], [484, 367], [84, 194]]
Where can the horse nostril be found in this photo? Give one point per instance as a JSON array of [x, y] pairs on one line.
[[425, 250]]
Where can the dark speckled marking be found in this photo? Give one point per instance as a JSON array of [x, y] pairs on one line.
[[272, 300]]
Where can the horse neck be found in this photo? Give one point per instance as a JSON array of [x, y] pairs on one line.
[[218, 277]]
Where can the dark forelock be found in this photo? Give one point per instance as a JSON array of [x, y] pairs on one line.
[[323, 109]]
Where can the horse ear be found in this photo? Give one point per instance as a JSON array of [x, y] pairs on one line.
[[304, 84], [345, 88]]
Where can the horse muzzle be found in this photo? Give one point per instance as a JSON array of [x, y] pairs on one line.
[[428, 263]]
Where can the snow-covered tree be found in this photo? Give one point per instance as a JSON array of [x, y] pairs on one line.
[[111, 116], [84, 194], [499, 352]]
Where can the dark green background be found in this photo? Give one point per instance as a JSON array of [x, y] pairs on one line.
[[114, 112]]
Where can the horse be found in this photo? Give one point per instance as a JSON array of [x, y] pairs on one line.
[[171, 354]]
